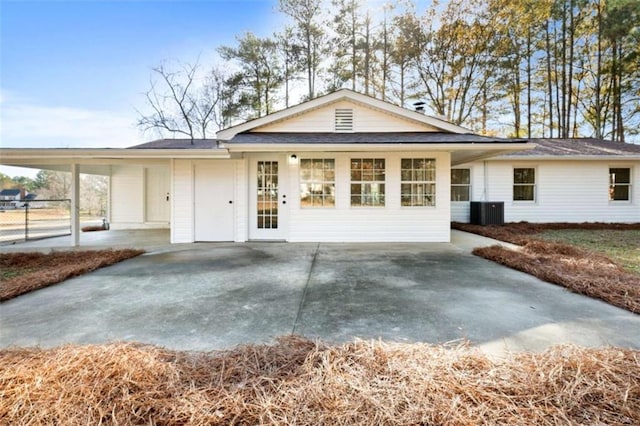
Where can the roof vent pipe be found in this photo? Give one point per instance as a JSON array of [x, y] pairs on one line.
[[419, 106]]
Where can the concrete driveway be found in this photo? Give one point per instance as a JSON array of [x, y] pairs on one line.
[[214, 296]]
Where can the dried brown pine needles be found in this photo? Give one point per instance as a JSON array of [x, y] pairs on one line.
[[25, 272], [578, 270], [300, 382], [521, 232]]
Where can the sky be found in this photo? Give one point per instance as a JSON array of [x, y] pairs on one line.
[[72, 73]]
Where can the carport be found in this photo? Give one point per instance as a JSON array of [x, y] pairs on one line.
[[98, 161]]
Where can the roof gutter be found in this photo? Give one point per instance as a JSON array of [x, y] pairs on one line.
[[70, 154], [611, 157], [500, 147]]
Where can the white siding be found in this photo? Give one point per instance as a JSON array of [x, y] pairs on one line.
[[182, 202], [566, 191], [389, 223], [127, 196], [242, 207], [364, 120]]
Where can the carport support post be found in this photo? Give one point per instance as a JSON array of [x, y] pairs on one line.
[[75, 205]]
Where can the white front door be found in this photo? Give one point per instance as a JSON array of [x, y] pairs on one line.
[[214, 201], [157, 194], [268, 198]]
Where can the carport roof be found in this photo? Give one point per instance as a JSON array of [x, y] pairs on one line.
[[98, 160]]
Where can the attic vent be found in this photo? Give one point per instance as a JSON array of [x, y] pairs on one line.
[[344, 120]]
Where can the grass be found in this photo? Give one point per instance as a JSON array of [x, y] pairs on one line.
[[623, 247], [594, 259], [300, 382], [25, 272]]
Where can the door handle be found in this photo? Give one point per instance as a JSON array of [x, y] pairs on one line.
[[230, 201], [284, 201]]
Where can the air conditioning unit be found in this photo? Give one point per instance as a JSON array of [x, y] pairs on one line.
[[487, 213]]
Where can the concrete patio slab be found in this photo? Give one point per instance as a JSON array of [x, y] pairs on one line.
[[214, 296], [140, 238]]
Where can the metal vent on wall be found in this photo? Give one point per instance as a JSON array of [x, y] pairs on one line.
[[344, 120]]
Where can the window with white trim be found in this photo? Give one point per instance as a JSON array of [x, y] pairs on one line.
[[418, 182], [318, 182], [524, 184], [619, 184], [460, 184], [367, 182]]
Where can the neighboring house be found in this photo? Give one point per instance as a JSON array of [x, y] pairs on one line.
[[341, 167], [561, 180], [10, 198], [33, 201]]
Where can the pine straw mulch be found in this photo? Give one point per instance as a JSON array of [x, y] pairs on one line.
[[300, 382], [579, 270], [521, 233], [25, 272]]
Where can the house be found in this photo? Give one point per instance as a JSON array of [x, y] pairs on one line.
[[341, 167], [560, 180], [10, 198], [32, 200]]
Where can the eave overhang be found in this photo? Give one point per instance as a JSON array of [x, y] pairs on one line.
[[97, 160], [461, 153], [613, 157]]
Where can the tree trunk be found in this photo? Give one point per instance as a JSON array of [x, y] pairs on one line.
[[529, 82], [549, 82]]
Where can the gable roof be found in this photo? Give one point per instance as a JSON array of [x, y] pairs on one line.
[[340, 95], [578, 148], [9, 192]]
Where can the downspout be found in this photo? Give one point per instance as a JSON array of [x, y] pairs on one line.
[[485, 180], [107, 213]]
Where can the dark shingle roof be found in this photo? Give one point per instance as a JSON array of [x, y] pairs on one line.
[[9, 192], [177, 144], [577, 147], [364, 138], [31, 196]]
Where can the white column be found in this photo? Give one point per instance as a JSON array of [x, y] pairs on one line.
[[75, 205]]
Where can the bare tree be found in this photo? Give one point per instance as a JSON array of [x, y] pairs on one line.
[[180, 104], [93, 194]]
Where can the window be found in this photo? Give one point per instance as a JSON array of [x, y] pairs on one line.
[[344, 120], [619, 184], [367, 182], [460, 184], [317, 182], [418, 186], [267, 192], [524, 184]]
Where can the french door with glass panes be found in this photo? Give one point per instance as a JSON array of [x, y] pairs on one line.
[[268, 199]]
